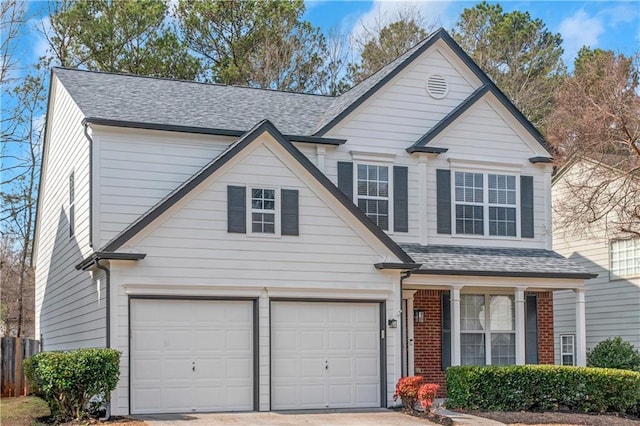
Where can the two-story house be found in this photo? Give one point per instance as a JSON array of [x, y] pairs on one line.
[[612, 297], [250, 249]]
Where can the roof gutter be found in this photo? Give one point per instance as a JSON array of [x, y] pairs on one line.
[[107, 255], [204, 130], [518, 274]]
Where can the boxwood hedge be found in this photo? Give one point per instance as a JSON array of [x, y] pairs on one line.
[[68, 381], [543, 387]]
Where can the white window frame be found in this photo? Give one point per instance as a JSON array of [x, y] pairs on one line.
[[251, 210], [487, 330], [485, 204], [389, 197], [573, 350], [631, 251]]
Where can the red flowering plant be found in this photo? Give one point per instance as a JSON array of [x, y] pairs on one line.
[[426, 394], [407, 390], [411, 390]]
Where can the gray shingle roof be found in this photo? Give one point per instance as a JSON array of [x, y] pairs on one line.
[[459, 260], [182, 103]]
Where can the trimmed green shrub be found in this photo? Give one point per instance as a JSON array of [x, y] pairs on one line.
[[67, 381], [614, 353], [543, 387]]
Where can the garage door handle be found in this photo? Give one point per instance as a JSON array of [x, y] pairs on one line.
[[193, 366], [326, 365]]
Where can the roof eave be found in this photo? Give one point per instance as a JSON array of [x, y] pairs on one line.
[[426, 150], [541, 160], [105, 255], [204, 130], [401, 266], [515, 274]]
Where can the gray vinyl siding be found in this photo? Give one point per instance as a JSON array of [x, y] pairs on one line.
[[135, 169], [69, 304]]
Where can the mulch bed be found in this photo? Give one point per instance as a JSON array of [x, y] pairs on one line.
[[557, 418], [521, 418]]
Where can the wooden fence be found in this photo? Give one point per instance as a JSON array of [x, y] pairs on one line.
[[14, 351]]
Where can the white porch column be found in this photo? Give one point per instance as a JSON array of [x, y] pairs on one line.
[[520, 327], [455, 325], [581, 329], [409, 334]]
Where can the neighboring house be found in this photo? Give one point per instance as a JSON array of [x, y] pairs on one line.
[[612, 298], [251, 249]]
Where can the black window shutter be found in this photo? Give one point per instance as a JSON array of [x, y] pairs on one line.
[[345, 178], [236, 209], [446, 331], [531, 329], [400, 199], [443, 198], [289, 214], [526, 206]]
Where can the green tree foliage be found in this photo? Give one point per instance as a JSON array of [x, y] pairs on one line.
[[385, 45], [262, 44], [119, 36], [519, 53], [614, 353]]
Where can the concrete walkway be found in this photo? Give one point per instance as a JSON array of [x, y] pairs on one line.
[[368, 417]]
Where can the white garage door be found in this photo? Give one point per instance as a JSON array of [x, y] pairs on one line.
[[325, 355], [191, 355]]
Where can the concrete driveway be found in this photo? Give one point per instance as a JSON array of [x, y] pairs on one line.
[[374, 416]]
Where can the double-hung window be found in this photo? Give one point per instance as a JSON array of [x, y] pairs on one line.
[[567, 349], [625, 258], [485, 204], [373, 193], [487, 329], [263, 210], [469, 190]]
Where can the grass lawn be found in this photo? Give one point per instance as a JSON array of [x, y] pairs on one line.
[[25, 410], [22, 411]]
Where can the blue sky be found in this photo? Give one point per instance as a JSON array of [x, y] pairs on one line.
[[613, 25]]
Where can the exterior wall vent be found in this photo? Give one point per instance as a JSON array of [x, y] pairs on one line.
[[437, 86]]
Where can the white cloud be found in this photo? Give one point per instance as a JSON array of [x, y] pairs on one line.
[[39, 44], [579, 30]]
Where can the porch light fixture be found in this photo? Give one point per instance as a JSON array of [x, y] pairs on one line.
[[393, 323], [418, 316]]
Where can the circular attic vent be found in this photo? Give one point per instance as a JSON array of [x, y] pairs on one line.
[[437, 86]]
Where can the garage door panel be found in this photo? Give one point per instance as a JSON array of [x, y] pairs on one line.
[[239, 340], [340, 368], [202, 348], [340, 340], [311, 341], [329, 340], [366, 340]]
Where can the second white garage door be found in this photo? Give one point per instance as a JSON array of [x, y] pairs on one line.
[[191, 355], [325, 355]]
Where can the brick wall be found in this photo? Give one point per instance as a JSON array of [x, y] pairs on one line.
[[545, 327], [428, 337]]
